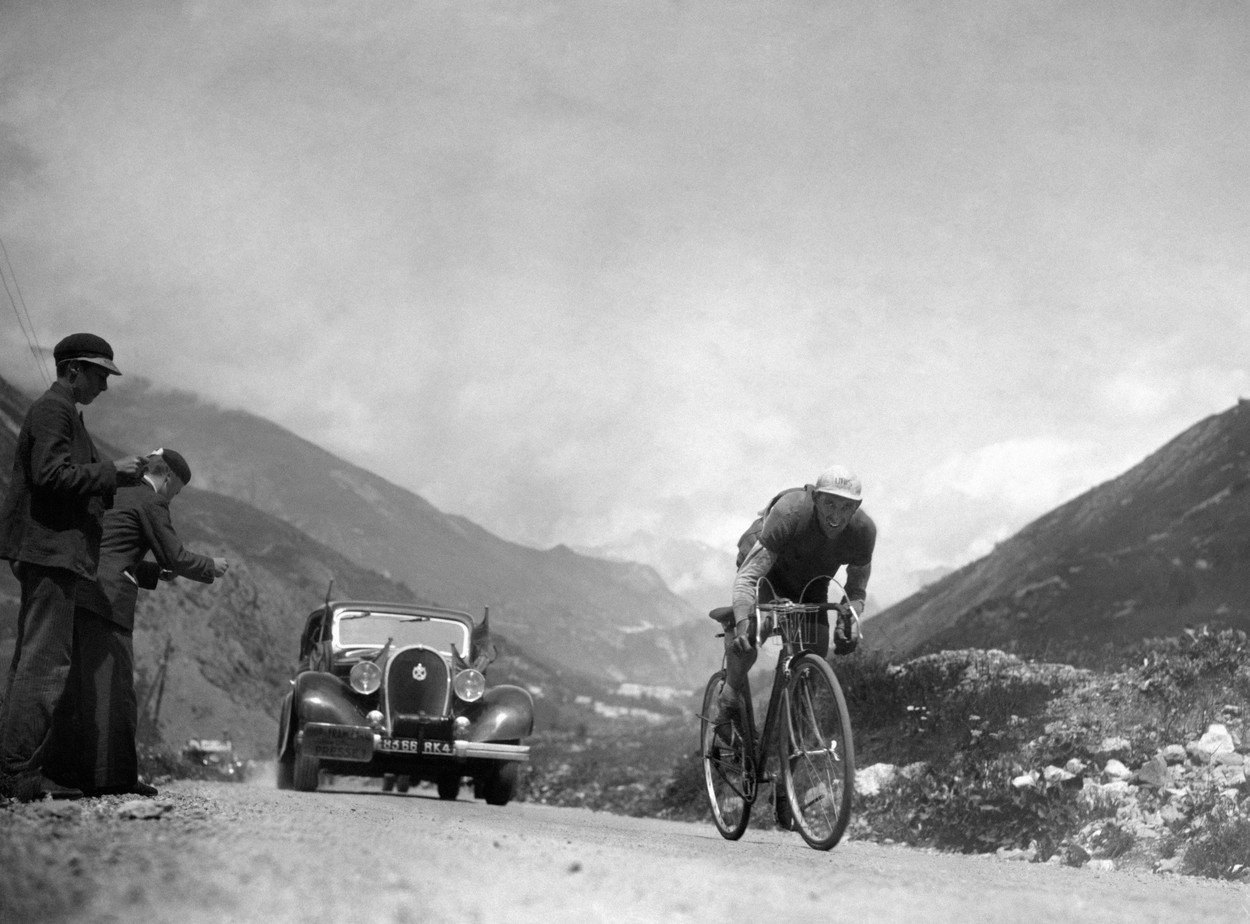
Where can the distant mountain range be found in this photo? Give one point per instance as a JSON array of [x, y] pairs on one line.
[[290, 517], [699, 573], [1164, 546]]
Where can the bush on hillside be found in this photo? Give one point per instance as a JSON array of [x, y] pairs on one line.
[[983, 703], [1173, 667], [970, 806], [1219, 846]]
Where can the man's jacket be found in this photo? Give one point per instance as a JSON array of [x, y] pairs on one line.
[[59, 491], [138, 523]]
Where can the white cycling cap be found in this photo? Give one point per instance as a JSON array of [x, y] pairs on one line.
[[840, 480]]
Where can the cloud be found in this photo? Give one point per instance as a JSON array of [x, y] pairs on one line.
[[1029, 474], [577, 271]]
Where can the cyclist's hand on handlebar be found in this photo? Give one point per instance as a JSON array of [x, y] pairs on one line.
[[742, 635]]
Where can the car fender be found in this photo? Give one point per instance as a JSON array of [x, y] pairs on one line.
[[507, 714], [322, 697]]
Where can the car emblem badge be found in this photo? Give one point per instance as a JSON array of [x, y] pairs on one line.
[[418, 672]]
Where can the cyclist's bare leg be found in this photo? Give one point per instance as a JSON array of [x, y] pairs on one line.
[[737, 665]]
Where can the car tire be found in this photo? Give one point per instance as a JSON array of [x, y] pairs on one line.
[[403, 783], [448, 786], [286, 773], [501, 784], [306, 772], [388, 782]]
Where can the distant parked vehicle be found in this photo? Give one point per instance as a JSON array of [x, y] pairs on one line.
[[397, 691], [217, 758]]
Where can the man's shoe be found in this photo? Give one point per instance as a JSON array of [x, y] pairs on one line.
[[31, 787], [781, 807], [140, 788]]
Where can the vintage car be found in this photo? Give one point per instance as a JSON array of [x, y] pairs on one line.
[[215, 757], [397, 691]]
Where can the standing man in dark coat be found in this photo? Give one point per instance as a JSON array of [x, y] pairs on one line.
[[102, 732], [50, 525]]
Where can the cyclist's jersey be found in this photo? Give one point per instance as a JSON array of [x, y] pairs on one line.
[[788, 528]]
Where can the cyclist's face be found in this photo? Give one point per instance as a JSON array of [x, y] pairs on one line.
[[834, 512]]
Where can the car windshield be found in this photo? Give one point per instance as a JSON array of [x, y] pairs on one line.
[[359, 629]]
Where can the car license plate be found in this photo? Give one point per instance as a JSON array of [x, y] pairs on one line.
[[415, 746], [337, 742]]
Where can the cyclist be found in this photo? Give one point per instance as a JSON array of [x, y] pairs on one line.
[[798, 542]]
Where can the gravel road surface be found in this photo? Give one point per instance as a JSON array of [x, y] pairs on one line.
[[222, 852]]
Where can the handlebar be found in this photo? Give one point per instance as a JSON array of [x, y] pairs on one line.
[[784, 617]]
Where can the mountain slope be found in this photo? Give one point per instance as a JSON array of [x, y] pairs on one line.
[[1165, 545], [228, 649], [568, 608]]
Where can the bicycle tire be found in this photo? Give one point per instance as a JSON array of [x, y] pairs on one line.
[[817, 753], [727, 772]]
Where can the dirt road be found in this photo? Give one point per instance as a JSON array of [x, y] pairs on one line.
[[221, 852]]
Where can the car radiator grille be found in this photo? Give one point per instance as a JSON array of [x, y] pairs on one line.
[[418, 692]]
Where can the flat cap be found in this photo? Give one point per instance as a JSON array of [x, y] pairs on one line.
[[88, 348], [177, 464]]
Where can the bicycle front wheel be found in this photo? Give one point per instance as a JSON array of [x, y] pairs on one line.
[[727, 772], [818, 757]]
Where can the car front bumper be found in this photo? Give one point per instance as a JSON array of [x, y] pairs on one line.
[[360, 744]]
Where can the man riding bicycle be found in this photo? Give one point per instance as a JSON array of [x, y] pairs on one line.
[[798, 542]]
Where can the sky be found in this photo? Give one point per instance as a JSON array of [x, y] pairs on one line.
[[611, 273]]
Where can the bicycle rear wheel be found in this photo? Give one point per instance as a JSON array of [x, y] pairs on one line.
[[818, 757], [727, 770]]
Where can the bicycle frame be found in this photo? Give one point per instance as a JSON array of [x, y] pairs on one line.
[[787, 620]]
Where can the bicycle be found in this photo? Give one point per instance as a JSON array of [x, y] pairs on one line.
[[807, 729]]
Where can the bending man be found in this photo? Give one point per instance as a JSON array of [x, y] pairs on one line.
[[798, 543], [106, 718]]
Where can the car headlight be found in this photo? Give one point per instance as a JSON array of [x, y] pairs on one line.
[[470, 685], [365, 677]]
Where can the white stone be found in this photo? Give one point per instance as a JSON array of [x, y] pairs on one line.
[[871, 780], [1173, 754], [1110, 746], [1116, 788], [1116, 770], [1053, 774], [1216, 740], [1025, 780]]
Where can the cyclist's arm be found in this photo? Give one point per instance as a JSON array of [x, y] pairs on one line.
[[857, 585], [758, 562]]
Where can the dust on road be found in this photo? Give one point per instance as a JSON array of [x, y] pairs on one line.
[[224, 852]]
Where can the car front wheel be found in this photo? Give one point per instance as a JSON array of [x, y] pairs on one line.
[[307, 771], [286, 772], [501, 784]]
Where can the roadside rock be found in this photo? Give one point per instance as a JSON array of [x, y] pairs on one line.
[[144, 809], [1112, 747], [872, 779], [1215, 741], [1173, 754], [1154, 772], [1115, 770]]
